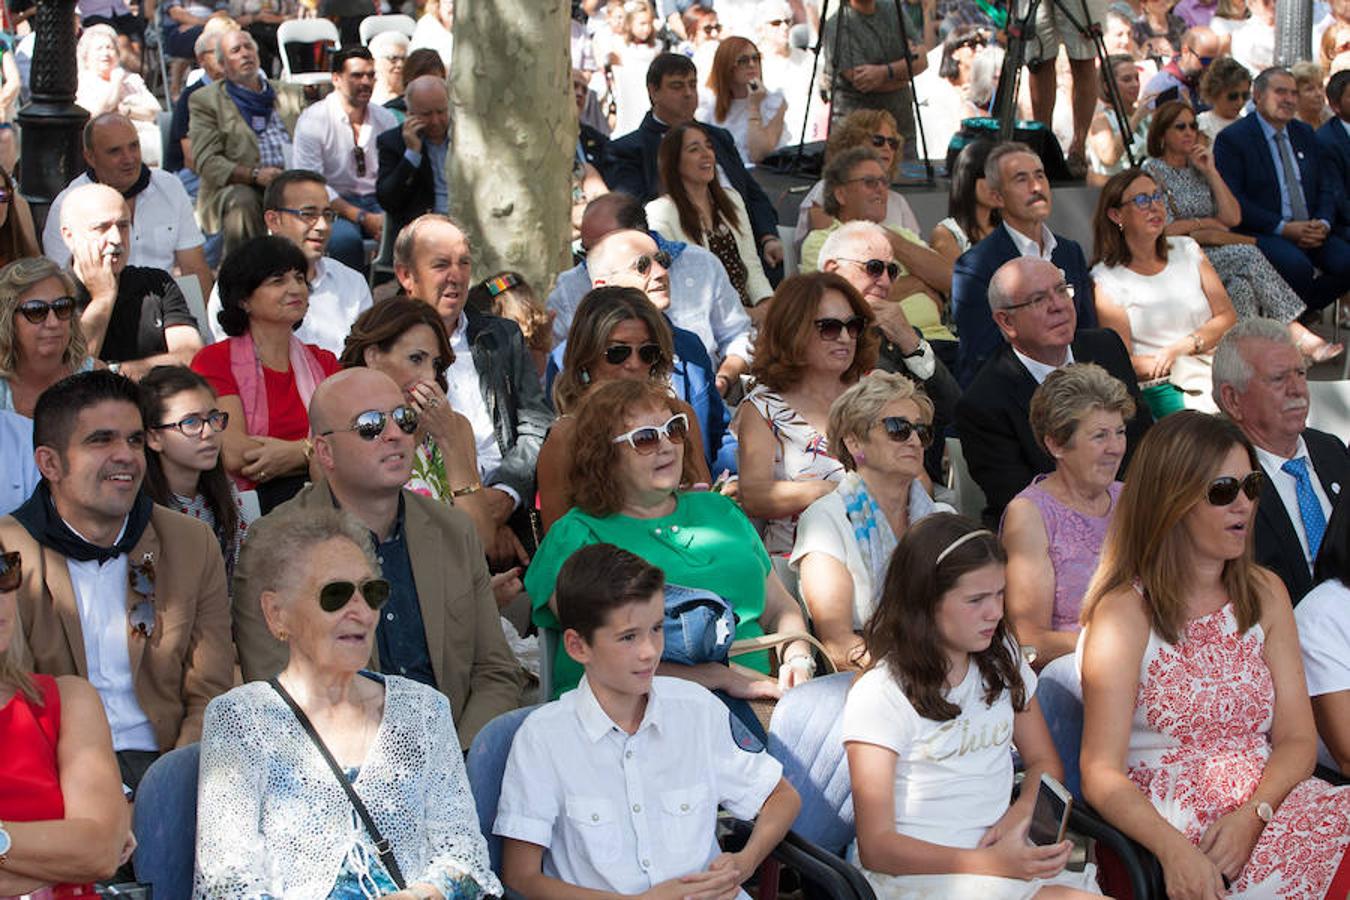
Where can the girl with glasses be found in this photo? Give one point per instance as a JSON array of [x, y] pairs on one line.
[[736, 99], [1198, 736], [40, 337]]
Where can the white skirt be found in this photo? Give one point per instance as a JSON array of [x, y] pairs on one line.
[[974, 887]]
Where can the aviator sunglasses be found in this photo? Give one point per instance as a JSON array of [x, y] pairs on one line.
[[1223, 491], [370, 424], [647, 438], [334, 595], [617, 354]]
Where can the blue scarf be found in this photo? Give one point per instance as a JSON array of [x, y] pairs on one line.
[[255, 106]]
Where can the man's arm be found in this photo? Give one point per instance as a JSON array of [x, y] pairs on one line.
[[183, 342], [624, 170], [494, 679], [927, 265], [209, 669], [1233, 162], [974, 322], [763, 216], [397, 181], [993, 455]]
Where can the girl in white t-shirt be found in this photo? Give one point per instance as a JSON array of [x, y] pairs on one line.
[[930, 728]]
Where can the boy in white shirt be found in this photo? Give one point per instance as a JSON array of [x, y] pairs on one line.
[[613, 789]]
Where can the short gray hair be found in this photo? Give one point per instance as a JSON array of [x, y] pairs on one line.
[[406, 242], [1262, 81], [220, 42], [999, 298], [838, 170], [207, 42], [993, 172], [1230, 366], [834, 245], [277, 546], [854, 412], [385, 43]]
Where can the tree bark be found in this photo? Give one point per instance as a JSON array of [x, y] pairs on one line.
[[1293, 31], [514, 136]]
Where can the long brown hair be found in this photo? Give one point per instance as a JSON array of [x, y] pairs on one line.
[[1108, 237], [903, 632], [601, 311], [780, 347], [381, 326], [16, 242], [668, 165], [1146, 542]]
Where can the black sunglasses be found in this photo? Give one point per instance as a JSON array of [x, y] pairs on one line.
[[898, 429], [195, 426], [830, 329], [360, 163], [1234, 96], [880, 140], [11, 571], [334, 595], [36, 311], [1223, 491], [370, 424], [644, 262], [617, 354], [874, 267]]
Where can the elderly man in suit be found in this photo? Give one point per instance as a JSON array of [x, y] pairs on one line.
[[1261, 383], [440, 626], [115, 589], [241, 128], [412, 156], [1031, 302], [1274, 166], [1017, 179]]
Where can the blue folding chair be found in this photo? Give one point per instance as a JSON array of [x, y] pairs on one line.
[[165, 822]]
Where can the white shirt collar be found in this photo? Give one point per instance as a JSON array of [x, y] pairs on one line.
[[596, 723], [1039, 370], [1027, 247], [1273, 461]]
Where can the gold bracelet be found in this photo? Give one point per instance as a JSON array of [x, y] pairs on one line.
[[467, 489]]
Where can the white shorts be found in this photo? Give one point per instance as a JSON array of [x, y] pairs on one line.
[[1054, 28]]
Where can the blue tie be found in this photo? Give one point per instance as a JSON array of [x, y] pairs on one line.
[[1309, 509]]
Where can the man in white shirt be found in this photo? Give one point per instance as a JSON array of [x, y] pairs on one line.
[[296, 207], [164, 232], [336, 138], [1261, 383]]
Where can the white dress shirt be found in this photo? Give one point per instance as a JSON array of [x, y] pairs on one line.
[[324, 144], [1286, 486], [621, 812], [1027, 247], [1039, 370], [16, 449], [337, 295], [466, 398], [162, 223], [101, 598]]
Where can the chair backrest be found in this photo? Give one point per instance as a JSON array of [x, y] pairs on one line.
[[969, 496], [486, 764], [787, 236], [804, 736], [1060, 695], [1329, 407], [164, 821], [373, 25], [192, 291], [305, 31]]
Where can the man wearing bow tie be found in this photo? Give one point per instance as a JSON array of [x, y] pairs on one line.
[[1261, 383]]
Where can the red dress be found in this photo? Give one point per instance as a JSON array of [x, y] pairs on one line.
[[30, 781]]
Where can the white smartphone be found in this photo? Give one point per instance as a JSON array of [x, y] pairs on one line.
[[1050, 818]]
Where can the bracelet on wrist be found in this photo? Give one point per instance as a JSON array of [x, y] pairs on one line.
[[467, 490]]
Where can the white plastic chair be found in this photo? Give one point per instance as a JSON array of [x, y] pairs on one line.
[[373, 25], [192, 290], [305, 31]]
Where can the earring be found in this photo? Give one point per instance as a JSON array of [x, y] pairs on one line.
[[283, 634], [860, 458], [585, 377], [1120, 225]]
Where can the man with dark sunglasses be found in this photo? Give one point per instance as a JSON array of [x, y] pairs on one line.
[[1261, 383], [1199, 47], [116, 589], [440, 625]]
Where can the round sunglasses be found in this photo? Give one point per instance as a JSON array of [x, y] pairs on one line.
[[644, 262], [36, 311], [899, 429], [1223, 491], [831, 328], [647, 438], [617, 354], [874, 267], [335, 595], [194, 426], [371, 424], [11, 570]]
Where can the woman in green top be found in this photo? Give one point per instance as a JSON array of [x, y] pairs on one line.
[[630, 456]]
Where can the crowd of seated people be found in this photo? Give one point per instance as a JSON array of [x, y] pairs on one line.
[[329, 529]]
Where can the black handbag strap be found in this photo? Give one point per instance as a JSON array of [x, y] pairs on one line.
[[382, 846]]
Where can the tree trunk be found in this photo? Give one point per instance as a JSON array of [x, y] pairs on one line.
[[515, 132], [1293, 31]]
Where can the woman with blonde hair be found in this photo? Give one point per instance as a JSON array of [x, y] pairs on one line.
[[1312, 101], [104, 87], [40, 337], [1198, 734], [737, 100]]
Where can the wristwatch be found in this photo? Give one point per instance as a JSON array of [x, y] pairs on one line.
[[1264, 812], [5, 843]]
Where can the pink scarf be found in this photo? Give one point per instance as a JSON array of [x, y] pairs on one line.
[[248, 375]]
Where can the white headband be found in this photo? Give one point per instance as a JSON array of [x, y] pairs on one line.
[[958, 542]]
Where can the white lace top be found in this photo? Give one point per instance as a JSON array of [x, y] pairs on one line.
[[275, 822]]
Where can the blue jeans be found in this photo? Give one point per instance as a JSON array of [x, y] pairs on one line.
[[347, 245]]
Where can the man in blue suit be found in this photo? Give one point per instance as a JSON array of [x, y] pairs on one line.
[[1274, 165], [1017, 179], [1334, 136]]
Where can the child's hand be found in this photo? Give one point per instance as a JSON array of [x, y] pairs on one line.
[[1014, 857], [1014, 818], [746, 688], [711, 884]]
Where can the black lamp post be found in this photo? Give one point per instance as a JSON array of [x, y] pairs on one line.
[[51, 124]]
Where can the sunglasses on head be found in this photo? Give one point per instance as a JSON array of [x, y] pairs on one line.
[[335, 595], [831, 328], [881, 140], [644, 262], [11, 570], [647, 438], [898, 429], [370, 424], [617, 354], [36, 311], [1223, 491], [874, 267]]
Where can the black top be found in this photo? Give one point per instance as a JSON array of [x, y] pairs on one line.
[[148, 301], [178, 127]]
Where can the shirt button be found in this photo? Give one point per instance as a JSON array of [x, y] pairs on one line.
[[637, 807], [389, 617], [595, 817], [628, 754], [657, 532], [646, 864], [684, 807], [674, 529]]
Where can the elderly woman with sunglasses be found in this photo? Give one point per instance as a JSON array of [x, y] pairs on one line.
[[308, 775], [633, 452], [63, 820], [40, 337], [814, 345], [879, 429], [1159, 294]]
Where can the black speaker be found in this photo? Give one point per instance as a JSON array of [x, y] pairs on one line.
[[1035, 135]]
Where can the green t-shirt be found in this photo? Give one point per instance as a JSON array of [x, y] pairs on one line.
[[707, 542]]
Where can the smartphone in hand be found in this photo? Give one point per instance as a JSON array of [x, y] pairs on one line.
[[1050, 818]]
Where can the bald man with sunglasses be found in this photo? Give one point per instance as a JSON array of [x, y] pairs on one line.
[[441, 625]]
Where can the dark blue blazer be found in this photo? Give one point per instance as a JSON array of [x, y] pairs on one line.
[[1247, 167], [693, 379], [979, 336], [1335, 143], [630, 167]]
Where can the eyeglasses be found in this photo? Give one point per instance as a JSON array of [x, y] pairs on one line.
[[310, 215], [335, 595], [644, 262], [1235, 96], [898, 429], [646, 439], [360, 162], [874, 267], [393, 58], [617, 354], [1183, 125], [871, 181], [370, 424], [36, 311], [778, 23], [712, 29], [1223, 491], [11, 571], [195, 426], [750, 59], [1144, 201], [881, 140], [830, 329], [1062, 291]]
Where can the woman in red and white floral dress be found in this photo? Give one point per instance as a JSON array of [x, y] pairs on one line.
[[1205, 756]]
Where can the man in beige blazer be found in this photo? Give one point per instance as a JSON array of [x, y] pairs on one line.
[[240, 128], [441, 625], [115, 589]]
